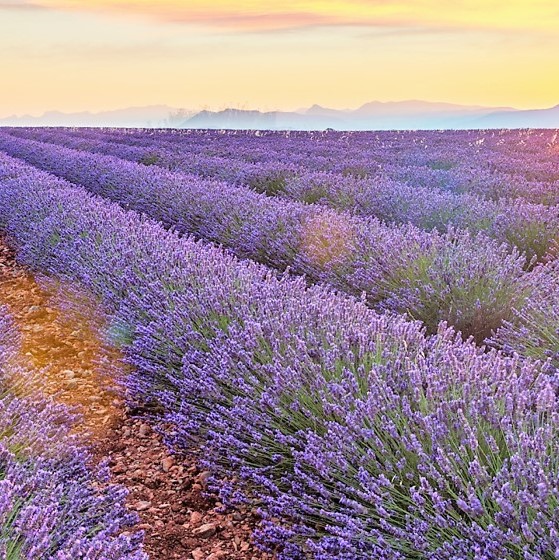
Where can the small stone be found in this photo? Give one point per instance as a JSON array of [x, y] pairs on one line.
[[198, 554], [205, 531], [139, 474], [195, 517], [203, 477], [167, 463], [144, 430], [119, 468], [142, 505]]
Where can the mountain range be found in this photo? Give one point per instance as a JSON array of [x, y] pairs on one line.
[[376, 115], [132, 117]]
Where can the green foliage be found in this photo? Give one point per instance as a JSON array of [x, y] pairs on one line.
[[270, 184], [355, 171], [150, 159], [442, 165]]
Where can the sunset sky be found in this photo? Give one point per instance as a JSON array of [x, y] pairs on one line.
[[77, 55]]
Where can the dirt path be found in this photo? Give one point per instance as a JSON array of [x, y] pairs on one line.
[[66, 349], [179, 520]]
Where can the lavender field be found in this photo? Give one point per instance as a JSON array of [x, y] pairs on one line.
[[355, 336]]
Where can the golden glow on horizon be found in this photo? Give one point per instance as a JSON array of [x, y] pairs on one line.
[[72, 55]]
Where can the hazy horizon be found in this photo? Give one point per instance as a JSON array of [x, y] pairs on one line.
[[223, 107]]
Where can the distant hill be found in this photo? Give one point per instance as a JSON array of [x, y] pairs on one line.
[[151, 116], [539, 118], [415, 107], [274, 120], [376, 115], [371, 116]]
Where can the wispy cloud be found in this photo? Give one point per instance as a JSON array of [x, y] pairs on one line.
[[268, 15]]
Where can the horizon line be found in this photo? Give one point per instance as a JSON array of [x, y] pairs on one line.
[[264, 109]]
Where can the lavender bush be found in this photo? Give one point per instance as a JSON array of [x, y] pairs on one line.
[[534, 329], [51, 505]]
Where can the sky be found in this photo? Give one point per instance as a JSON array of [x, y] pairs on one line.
[[104, 54]]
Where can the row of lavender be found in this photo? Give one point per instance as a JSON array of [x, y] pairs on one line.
[[472, 282], [356, 435], [51, 505], [391, 195], [494, 164]]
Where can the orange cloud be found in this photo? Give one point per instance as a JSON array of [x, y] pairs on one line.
[[272, 15]]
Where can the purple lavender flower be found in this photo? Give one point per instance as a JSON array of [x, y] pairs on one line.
[[355, 435], [51, 505]]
